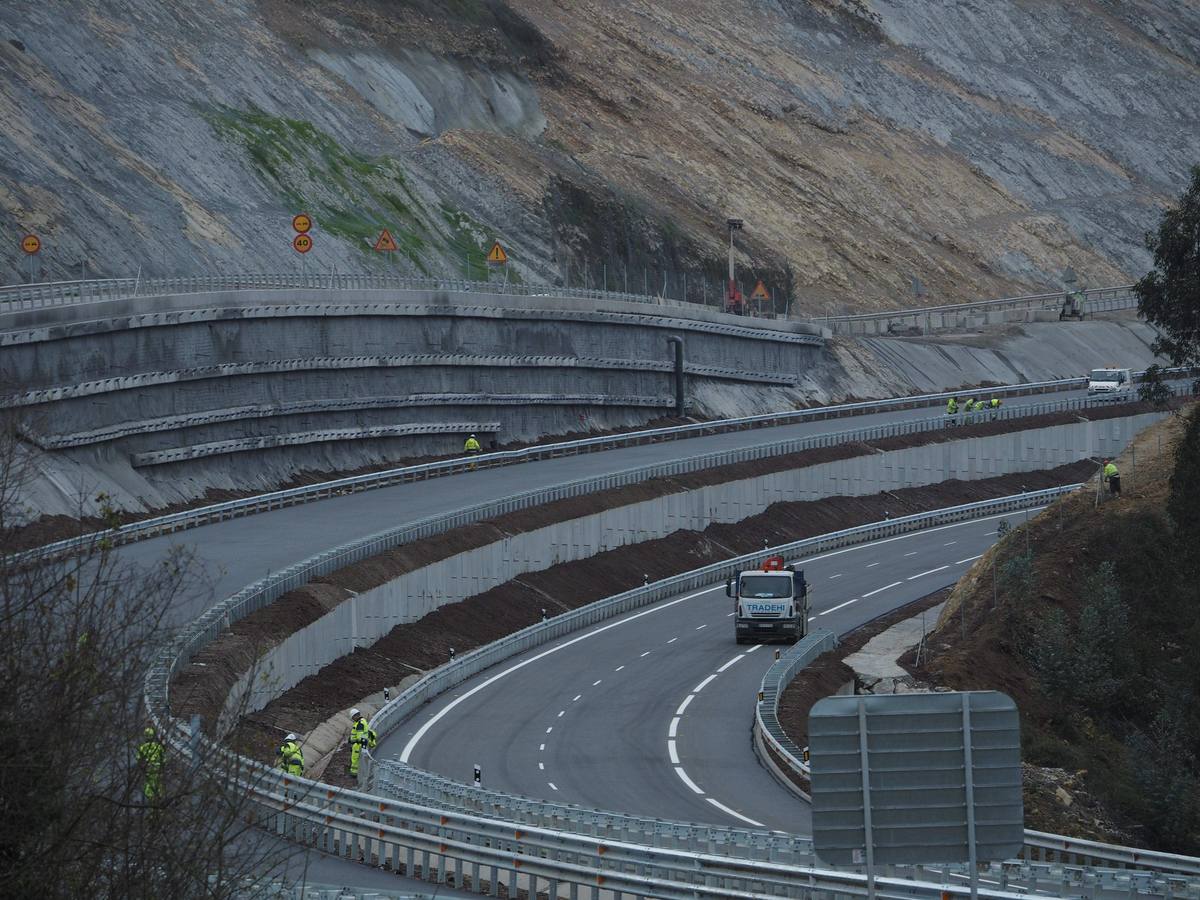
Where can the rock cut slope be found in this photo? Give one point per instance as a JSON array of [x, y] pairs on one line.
[[981, 148]]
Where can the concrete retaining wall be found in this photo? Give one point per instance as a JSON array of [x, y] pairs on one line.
[[365, 618]]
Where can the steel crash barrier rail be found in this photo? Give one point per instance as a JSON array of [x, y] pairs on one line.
[[1096, 300], [231, 509], [438, 842]]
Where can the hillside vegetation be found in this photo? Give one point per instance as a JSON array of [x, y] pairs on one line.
[[1089, 617], [981, 149]]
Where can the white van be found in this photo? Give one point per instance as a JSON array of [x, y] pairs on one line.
[[1110, 381]]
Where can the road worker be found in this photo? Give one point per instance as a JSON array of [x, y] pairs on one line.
[[150, 759], [952, 408], [1113, 477], [472, 448], [361, 736], [291, 757]]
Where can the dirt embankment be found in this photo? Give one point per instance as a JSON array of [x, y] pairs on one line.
[[518, 603], [1100, 759]]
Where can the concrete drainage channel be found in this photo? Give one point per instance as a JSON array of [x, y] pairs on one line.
[[430, 837]]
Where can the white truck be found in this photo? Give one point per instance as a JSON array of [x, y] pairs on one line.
[[1110, 381], [771, 602]]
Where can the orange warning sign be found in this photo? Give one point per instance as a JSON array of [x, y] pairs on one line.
[[386, 241], [301, 223], [760, 291], [31, 244], [302, 243], [497, 254]]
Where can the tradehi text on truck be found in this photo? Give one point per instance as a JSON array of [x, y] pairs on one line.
[[771, 602]]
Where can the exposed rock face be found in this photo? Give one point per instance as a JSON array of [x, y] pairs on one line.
[[981, 148]]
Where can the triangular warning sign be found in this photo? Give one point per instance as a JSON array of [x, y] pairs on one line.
[[760, 291], [386, 241], [497, 254]]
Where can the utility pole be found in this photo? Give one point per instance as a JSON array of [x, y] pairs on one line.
[[733, 297]]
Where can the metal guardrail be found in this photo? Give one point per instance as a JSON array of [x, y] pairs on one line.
[[481, 852], [18, 297], [230, 509], [1039, 846], [923, 318]]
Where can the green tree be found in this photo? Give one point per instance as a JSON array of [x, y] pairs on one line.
[[1101, 661], [1169, 294]]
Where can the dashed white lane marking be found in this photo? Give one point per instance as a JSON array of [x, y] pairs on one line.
[[880, 590], [647, 653], [672, 640], [541, 767], [705, 625], [550, 729], [930, 572], [575, 699], [597, 681], [948, 543], [684, 704], [552, 785], [407, 752], [702, 685], [541, 747], [838, 575], [673, 730], [914, 553], [734, 813], [727, 615], [967, 560], [730, 663], [561, 712], [836, 608], [990, 533], [872, 565], [672, 752], [683, 776], [618, 668]]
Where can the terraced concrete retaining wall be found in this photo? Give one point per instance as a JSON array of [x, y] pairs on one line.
[[365, 618], [242, 389]]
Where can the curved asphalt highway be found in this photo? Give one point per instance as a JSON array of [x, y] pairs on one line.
[[237, 552], [651, 713]]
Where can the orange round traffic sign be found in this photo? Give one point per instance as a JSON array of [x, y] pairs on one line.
[[31, 243], [302, 243], [302, 223]]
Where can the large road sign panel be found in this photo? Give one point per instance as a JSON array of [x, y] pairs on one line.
[[939, 768]]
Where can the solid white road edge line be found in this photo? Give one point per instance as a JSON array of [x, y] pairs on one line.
[[968, 559], [434, 719], [734, 813]]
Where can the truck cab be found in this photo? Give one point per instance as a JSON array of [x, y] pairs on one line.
[[1117, 382], [771, 602]]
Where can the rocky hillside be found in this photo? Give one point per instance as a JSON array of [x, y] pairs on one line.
[[981, 148]]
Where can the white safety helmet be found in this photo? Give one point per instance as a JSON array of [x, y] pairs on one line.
[[354, 713], [291, 736]]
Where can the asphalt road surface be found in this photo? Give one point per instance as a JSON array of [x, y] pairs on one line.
[[234, 553], [651, 713]]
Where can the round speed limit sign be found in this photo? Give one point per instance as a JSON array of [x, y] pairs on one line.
[[302, 243]]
